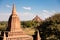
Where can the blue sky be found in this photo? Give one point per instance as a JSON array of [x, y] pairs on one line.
[[28, 9]]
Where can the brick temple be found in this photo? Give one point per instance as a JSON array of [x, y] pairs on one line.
[[37, 19], [14, 29]]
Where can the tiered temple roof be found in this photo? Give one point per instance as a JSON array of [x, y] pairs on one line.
[[37, 19]]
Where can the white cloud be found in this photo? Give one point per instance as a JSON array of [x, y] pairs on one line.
[[8, 6], [28, 15], [46, 13], [27, 8], [4, 16]]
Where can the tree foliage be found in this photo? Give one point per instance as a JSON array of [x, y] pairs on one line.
[[3, 25], [31, 24], [50, 28]]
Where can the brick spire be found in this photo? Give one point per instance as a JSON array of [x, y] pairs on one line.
[[14, 23], [38, 36], [14, 9], [4, 38]]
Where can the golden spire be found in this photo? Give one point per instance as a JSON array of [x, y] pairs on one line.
[[14, 9]]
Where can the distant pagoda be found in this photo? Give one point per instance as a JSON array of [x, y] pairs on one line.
[[37, 19]]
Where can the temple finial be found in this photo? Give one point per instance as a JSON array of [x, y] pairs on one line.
[[4, 38], [14, 9], [38, 36]]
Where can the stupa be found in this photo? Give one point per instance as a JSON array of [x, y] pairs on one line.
[[14, 29]]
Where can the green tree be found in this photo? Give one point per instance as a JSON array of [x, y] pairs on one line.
[[50, 28]]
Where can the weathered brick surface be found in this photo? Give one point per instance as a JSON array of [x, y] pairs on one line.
[[14, 29]]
